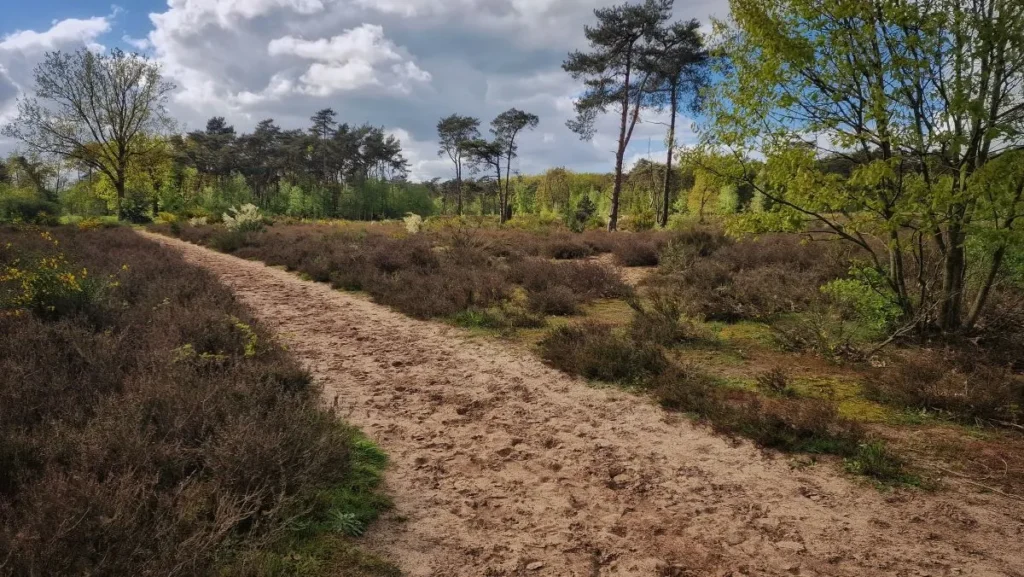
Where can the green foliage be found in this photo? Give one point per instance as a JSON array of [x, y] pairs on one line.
[[47, 284], [28, 210], [243, 219], [866, 299]]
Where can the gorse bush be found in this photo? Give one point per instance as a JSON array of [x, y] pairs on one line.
[[163, 433], [46, 284]]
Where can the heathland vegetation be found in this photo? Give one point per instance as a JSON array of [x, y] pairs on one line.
[[836, 268], [150, 426]]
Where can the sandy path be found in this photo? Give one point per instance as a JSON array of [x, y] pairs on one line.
[[502, 466]]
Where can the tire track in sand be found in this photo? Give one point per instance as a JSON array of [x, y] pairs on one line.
[[502, 466]]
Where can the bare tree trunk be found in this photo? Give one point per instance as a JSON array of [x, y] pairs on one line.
[[668, 156]]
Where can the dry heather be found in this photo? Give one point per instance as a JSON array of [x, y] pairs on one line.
[[435, 274], [149, 427]]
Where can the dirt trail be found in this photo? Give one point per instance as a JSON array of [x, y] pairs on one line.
[[502, 466]]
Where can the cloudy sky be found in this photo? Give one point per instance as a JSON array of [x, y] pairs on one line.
[[401, 64]]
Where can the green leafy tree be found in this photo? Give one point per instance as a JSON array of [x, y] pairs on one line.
[[678, 62], [920, 99], [615, 75], [94, 109], [454, 132], [505, 128]]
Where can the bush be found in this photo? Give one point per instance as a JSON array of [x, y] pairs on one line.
[[413, 223], [595, 351], [566, 248], [775, 381], [228, 241], [29, 211], [246, 218], [662, 323], [821, 331], [637, 252], [47, 284], [553, 300], [753, 280], [166, 431], [957, 383]]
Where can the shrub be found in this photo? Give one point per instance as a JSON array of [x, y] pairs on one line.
[[595, 351], [29, 211], [228, 241], [953, 382], [754, 279], [553, 300], [566, 248], [47, 284], [662, 323], [637, 252], [413, 223], [172, 435], [246, 218], [689, 389], [821, 331], [865, 299], [775, 381]]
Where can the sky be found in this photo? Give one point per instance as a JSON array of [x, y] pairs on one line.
[[400, 64]]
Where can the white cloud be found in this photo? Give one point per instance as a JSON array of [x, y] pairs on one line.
[[70, 31], [349, 61], [397, 63], [22, 50], [140, 44]]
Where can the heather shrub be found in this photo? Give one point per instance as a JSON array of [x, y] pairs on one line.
[[775, 381], [751, 279], [565, 247], [640, 251], [662, 322], [164, 433], [553, 300], [596, 351], [955, 382]]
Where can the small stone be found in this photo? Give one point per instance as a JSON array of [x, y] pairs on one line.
[[790, 546], [534, 566]]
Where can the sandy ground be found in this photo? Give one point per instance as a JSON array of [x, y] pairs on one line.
[[502, 466]]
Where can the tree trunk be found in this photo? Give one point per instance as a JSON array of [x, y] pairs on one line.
[[952, 296], [119, 187], [501, 195], [668, 156], [613, 217], [982, 298]]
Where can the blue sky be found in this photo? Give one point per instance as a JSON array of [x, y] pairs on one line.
[[400, 64]]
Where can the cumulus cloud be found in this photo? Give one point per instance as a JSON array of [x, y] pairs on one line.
[[402, 64], [22, 50], [350, 61], [62, 33]]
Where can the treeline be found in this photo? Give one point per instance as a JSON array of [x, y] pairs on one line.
[[329, 170]]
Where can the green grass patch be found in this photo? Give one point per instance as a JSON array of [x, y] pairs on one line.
[[325, 539]]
